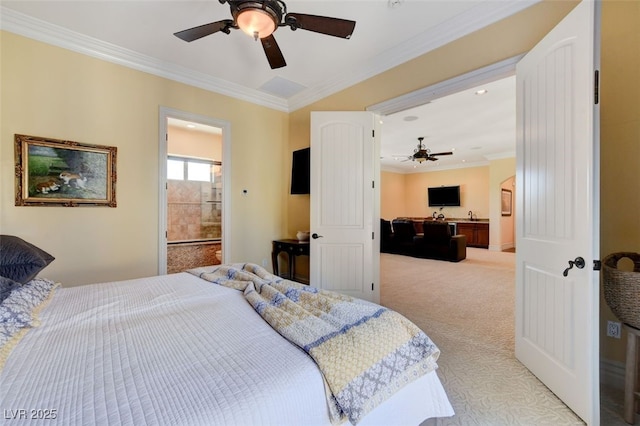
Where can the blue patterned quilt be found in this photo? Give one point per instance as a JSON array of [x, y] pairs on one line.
[[365, 352], [19, 307]]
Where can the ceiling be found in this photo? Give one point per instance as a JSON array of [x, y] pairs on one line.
[[190, 126], [477, 125], [139, 34]]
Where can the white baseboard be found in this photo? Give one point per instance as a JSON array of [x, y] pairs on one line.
[[501, 247], [612, 373]]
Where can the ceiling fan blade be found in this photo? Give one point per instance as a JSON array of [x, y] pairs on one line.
[[204, 30], [442, 153], [273, 52], [321, 24], [431, 158]]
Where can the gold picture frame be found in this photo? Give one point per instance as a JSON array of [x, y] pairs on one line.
[[53, 172]]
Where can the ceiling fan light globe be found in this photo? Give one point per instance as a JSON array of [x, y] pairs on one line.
[[257, 23]]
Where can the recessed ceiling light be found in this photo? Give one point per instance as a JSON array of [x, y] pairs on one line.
[[410, 118], [481, 91]]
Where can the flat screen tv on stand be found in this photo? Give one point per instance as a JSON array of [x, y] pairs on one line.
[[443, 196]]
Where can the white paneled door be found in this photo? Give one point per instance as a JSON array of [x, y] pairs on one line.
[[345, 220], [557, 291]]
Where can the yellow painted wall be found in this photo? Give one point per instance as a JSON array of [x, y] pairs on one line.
[[392, 195], [52, 92], [619, 144], [474, 192]]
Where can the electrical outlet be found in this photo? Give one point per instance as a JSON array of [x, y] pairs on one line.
[[613, 329], [265, 263]]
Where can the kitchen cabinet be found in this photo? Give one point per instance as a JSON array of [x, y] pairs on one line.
[[477, 233]]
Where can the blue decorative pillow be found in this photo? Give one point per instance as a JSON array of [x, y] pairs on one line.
[[21, 261]]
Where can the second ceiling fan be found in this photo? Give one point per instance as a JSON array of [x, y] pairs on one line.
[[260, 18], [422, 153]]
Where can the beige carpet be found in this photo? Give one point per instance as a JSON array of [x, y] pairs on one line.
[[467, 310]]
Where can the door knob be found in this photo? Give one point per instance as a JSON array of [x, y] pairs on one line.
[[315, 236], [578, 263]]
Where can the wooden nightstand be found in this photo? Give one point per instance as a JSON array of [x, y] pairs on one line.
[[293, 248]]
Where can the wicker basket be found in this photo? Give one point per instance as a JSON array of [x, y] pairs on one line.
[[622, 288]]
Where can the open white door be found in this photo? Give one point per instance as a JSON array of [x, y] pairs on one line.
[[344, 252], [557, 202]]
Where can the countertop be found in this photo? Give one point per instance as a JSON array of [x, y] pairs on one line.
[[451, 219], [465, 220]]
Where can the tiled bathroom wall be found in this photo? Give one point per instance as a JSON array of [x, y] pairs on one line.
[[194, 211]]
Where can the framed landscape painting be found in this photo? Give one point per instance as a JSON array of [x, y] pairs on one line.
[[52, 172]]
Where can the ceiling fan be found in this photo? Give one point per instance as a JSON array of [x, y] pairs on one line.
[[422, 153], [260, 18]]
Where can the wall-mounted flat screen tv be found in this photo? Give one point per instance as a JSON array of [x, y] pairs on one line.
[[300, 171], [440, 196]]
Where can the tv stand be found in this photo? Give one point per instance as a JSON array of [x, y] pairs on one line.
[[476, 231]]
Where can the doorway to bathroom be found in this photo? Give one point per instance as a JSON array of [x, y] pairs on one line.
[[193, 202]]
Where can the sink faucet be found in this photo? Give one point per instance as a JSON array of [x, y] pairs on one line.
[[470, 215], [434, 215]]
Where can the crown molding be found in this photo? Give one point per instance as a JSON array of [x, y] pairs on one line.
[[438, 168], [501, 155], [475, 18], [490, 73], [452, 167], [399, 170], [27, 26]]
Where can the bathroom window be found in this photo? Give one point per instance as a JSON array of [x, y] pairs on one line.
[[175, 169], [191, 169]]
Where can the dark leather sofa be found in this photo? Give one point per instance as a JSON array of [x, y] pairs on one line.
[[435, 242]]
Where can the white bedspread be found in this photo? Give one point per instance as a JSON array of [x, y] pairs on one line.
[[174, 350]]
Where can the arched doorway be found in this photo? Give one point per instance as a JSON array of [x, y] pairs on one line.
[[507, 214]]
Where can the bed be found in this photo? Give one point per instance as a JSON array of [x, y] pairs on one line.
[[189, 349]]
